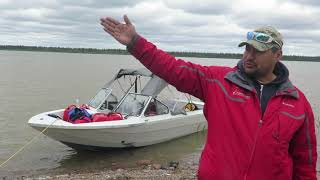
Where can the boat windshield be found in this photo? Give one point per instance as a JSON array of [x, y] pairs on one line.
[[133, 104], [100, 97]]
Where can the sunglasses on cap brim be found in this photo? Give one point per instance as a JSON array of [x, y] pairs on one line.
[[261, 37]]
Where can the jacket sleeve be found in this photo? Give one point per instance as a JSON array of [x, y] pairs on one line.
[[304, 149], [185, 76]]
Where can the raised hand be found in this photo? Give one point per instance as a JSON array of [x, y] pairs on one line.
[[122, 32]]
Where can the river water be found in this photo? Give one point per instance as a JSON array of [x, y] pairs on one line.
[[35, 82]]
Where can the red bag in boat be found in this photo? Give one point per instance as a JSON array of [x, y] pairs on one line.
[[99, 117], [77, 115], [84, 106], [66, 116], [82, 120]]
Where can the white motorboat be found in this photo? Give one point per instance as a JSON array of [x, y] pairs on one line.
[[150, 116]]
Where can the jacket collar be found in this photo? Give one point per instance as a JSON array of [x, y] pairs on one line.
[[239, 78], [287, 88]]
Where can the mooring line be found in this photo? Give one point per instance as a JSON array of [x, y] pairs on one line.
[[2, 164]]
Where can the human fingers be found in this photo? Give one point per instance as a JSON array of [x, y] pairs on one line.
[[109, 32], [109, 25], [127, 20], [108, 22], [111, 20]]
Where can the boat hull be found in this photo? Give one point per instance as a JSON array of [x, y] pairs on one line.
[[139, 132]]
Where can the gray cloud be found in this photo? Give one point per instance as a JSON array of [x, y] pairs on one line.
[[205, 26], [206, 7], [16, 4], [101, 4], [307, 2]]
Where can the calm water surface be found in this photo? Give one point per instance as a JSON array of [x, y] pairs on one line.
[[34, 82]]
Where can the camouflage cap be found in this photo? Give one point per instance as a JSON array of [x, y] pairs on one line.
[[265, 46]]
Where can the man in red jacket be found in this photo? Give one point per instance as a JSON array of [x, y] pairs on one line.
[[260, 126]]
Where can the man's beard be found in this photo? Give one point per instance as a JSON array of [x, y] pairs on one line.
[[254, 74]]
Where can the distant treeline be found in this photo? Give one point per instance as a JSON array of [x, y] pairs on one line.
[[124, 52]]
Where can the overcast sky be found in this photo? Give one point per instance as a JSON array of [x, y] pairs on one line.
[[173, 25]]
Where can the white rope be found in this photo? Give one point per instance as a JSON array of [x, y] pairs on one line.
[[12, 156]]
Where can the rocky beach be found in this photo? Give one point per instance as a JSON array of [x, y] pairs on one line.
[[183, 169]]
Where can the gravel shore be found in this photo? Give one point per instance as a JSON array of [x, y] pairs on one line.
[[183, 169], [124, 174], [132, 174]]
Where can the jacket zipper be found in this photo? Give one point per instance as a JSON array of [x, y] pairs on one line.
[[256, 135], [261, 89]]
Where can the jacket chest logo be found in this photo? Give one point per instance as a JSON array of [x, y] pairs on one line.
[[288, 104], [238, 92]]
